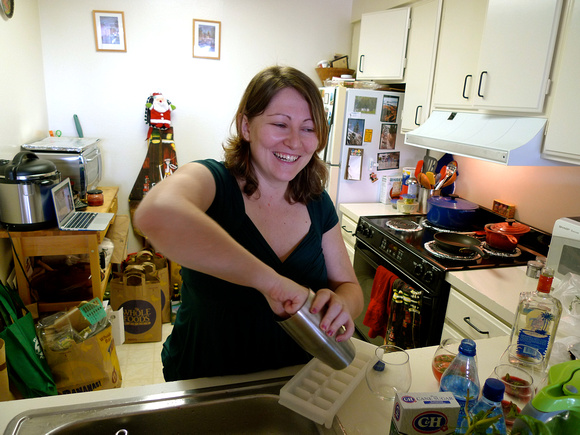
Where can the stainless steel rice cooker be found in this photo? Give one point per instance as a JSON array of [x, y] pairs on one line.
[[25, 192]]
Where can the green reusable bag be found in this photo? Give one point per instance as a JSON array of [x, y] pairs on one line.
[[27, 365]]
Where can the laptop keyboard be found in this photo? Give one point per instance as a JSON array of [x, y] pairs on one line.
[[81, 220]]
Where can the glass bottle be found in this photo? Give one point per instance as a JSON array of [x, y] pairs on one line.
[[461, 378], [492, 395], [537, 317]]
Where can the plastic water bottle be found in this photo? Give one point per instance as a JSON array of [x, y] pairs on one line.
[[492, 395], [461, 378]]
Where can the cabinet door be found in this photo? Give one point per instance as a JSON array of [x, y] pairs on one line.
[[383, 44], [516, 54], [460, 36], [562, 139], [420, 58]]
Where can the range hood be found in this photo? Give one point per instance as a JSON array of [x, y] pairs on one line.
[[508, 140]]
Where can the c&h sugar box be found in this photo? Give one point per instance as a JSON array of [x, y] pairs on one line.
[[424, 413]]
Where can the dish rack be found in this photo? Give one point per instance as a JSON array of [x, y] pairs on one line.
[[317, 391]]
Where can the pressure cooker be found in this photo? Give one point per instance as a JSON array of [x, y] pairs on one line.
[[25, 192]]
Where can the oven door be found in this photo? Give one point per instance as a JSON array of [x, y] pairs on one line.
[[366, 262]]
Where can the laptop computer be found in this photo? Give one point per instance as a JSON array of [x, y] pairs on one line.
[[71, 220]]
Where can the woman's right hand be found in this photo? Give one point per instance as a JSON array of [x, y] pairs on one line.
[[286, 298]]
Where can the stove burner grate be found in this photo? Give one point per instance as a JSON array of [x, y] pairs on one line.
[[498, 253], [405, 225], [434, 250]]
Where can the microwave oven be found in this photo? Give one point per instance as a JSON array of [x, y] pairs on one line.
[[76, 158], [564, 252]]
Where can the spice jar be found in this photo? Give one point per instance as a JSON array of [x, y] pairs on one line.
[[95, 198]]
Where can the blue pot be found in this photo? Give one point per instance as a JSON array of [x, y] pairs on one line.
[[451, 212]]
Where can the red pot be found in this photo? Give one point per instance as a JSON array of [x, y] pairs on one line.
[[505, 235]]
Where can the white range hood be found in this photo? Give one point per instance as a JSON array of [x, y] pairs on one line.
[[509, 140]]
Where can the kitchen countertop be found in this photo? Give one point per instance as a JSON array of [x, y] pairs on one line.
[[362, 413]]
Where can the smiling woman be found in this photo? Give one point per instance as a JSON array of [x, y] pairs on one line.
[[252, 234]]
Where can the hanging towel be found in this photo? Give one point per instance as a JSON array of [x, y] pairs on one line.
[[377, 315]]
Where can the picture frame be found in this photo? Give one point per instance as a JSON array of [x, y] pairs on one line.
[[355, 130], [390, 108], [110, 31], [388, 160], [354, 164], [207, 39], [388, 137]]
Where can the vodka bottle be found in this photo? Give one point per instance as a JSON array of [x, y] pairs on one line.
[[537, 317]]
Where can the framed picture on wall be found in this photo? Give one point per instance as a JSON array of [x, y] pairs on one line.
[[207, 39], [109, 31]]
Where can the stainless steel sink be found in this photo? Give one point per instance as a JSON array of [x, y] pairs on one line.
[[250, 408]]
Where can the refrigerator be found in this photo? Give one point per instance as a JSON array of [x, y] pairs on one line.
[[365, 142]]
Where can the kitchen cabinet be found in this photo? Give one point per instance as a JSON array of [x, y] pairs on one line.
[[420, 63], [561, 142], [383, 44], [496, 54], [348, 228]]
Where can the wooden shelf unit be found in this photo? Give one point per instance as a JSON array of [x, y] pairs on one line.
[[56, 242]]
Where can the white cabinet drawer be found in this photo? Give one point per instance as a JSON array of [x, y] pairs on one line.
[[472, 319], [348, 227]]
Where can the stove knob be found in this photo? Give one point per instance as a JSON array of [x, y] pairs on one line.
[[428, 278], [419, 269]]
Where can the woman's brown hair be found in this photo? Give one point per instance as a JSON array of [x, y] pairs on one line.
[[311, 181]]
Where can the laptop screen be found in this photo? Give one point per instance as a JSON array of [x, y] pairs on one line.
[[63, 199]]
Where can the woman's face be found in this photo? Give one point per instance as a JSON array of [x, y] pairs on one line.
[[283, 138]]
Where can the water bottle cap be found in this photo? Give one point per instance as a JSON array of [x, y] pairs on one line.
[[467, 347], [493, 389]]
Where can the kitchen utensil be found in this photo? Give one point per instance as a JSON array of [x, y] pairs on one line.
[[431, 177], [461, 244], [505, 235], [424, 181], [418, 168], [25, 197], [389, 372], [451, 212], [446, 173], [424, 195], [429, 164], [450, 181], [304, 328]]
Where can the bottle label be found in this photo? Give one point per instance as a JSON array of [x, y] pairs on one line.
[[535, 332]]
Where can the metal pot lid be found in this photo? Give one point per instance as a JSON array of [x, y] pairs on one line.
[[26, 166], [510, 226], [452, 202]]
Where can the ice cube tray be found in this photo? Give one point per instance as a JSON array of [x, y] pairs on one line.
[[317, 391]]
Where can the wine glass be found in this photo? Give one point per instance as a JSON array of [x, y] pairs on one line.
[[528, 359], [519, 389], [389, 372], [443, 356]]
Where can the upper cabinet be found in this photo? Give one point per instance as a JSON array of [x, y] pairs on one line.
[[383, 45], [420, 63], [496, 54]]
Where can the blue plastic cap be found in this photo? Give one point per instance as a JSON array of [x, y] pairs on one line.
[[467, 347], [493, 389]]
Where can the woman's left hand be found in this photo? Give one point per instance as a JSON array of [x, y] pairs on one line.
[[335, 314]]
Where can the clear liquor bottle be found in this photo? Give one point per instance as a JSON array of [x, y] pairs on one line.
[[537, 317]]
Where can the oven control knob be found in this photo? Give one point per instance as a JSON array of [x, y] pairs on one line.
[[428, 278], [419, 269]]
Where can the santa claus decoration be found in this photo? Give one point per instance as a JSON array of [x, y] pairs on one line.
[[158, 113]]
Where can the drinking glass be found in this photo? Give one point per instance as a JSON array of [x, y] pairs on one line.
[[389, 372], [443, 356], [528, 359], [519, 389]]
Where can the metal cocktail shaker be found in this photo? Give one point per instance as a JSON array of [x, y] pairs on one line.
[[304, 328]]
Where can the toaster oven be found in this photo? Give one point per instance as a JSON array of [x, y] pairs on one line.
[[564, 253], [76, 158]]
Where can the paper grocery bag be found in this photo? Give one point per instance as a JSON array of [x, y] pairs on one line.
[[5, 393], [86, 366], [141, 303]]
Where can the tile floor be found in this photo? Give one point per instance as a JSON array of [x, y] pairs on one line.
[[141, 362]]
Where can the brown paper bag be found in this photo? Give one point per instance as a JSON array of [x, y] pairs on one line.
[[87, 366], [5, 393], [141, 303]]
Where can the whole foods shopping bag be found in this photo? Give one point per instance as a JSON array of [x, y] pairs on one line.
[[141, 303], [27, 367], [5, 393]]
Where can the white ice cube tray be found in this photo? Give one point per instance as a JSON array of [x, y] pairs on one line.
[[317, 391]]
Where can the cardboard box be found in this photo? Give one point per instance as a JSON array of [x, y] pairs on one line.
[[504, 209], [424, 413]]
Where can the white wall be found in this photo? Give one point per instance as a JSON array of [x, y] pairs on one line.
[[107, 90]]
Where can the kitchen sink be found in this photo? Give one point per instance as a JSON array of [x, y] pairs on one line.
[[248, 408]]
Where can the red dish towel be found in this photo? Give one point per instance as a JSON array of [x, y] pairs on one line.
[[377, 315]]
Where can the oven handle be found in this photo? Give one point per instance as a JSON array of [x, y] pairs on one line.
[[468, 321]]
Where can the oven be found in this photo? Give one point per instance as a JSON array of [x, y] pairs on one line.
[[405, 246]]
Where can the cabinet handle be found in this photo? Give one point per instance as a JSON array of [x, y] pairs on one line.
[[360, 59], [348, 231], [480, 82], [417, 113], [467, 320], [465, 85]]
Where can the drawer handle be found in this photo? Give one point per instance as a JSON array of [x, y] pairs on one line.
[[468, 321], [348, 231]]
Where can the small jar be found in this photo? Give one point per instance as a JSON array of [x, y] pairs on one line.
[[95, 198]]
